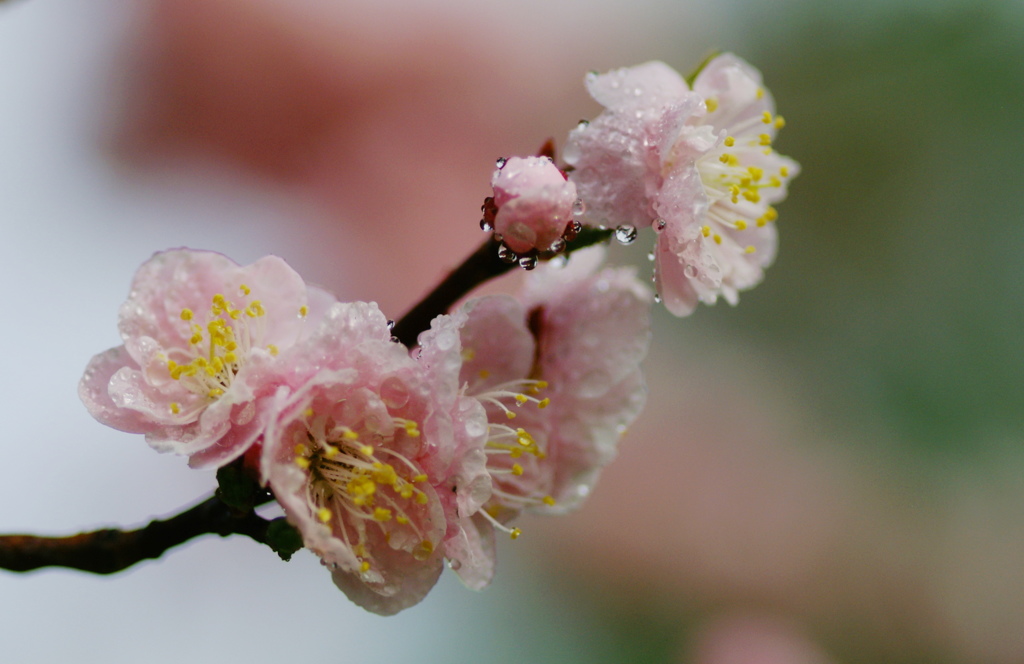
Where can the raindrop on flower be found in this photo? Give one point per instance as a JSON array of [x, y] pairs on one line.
[[576, 227], [528, 262], [579, 207], [659, 225], [626, 234], [557, 246], [507, 255], [500, 163], [650, 255], [583, 124], [486, 226], [391, 324], [690, 271], [657, 298]]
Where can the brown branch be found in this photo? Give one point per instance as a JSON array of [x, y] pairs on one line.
[[109, 550], [481, 266]]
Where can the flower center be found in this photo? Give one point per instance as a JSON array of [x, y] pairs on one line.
[[506, 446], [218, 346], [355, 485], [735, 179]]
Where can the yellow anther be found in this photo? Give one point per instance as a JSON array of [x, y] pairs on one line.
[[517, 469], [712, 104], [303, 310], [412, 430], [349, 434], [780, 122], [750, 249], [515, 533], [230, 358], [175, 408], [330, 451], [755, 173], [541, 384], [367, 450], [324, 514], [775, 182], [544, 403], [484, 373], [301, 449], [765, 139], [215, 392], [760, 93], [406, 491], [735, 191], [382, 514], [510, 415], [302, 462], [186, 314], [784, 172], [752, 195], [196, 339], [548, 500], [255, 309], [468, 354], [245, 289], [515, 452], [771, 214], [717, 238], [402, 519], [421, 498], [766, 117], [422, 477], [729, 159], [386, 474], [521, 399], [427, 546], [729, 141], [740, 224], [705, 231], [364, 566]]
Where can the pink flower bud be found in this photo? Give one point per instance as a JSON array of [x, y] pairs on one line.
[[534, 202]]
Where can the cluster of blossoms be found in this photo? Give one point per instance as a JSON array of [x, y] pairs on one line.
[[387, 461], [391, 460]]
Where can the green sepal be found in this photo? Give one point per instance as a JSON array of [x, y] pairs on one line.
[[703, 63], [236, 488], [283, 538]]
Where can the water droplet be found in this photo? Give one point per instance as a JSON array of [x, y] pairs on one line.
[[486, 226], [626, 234], [659, 225], [657, 297], [500, 163], [528, 262], [650, 256], [579, 207], [583, 124], [690, 271], [391, 324], [557, 246], [507, 255], [576, 227], [498, 237]]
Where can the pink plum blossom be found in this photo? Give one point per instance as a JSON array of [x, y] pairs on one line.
[[558, 373], [534, 204], [199, 333], [695, 165], [375, 457]]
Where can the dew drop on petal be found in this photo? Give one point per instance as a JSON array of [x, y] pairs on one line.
[[500, 163], [690, 271], [583, 124], [507, 255], [528, 262], [579, 207], [657, 297], [391, 324], [486, 226], [576, 227], [659, 225], [625, 234], [557, 246], [650, 256]]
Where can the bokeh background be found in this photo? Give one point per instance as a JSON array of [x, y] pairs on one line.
[[831, 472]]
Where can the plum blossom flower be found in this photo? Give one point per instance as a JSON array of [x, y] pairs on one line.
[[534, 203], [558, 373], [368, 452], [199, 332], [695, 165]]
